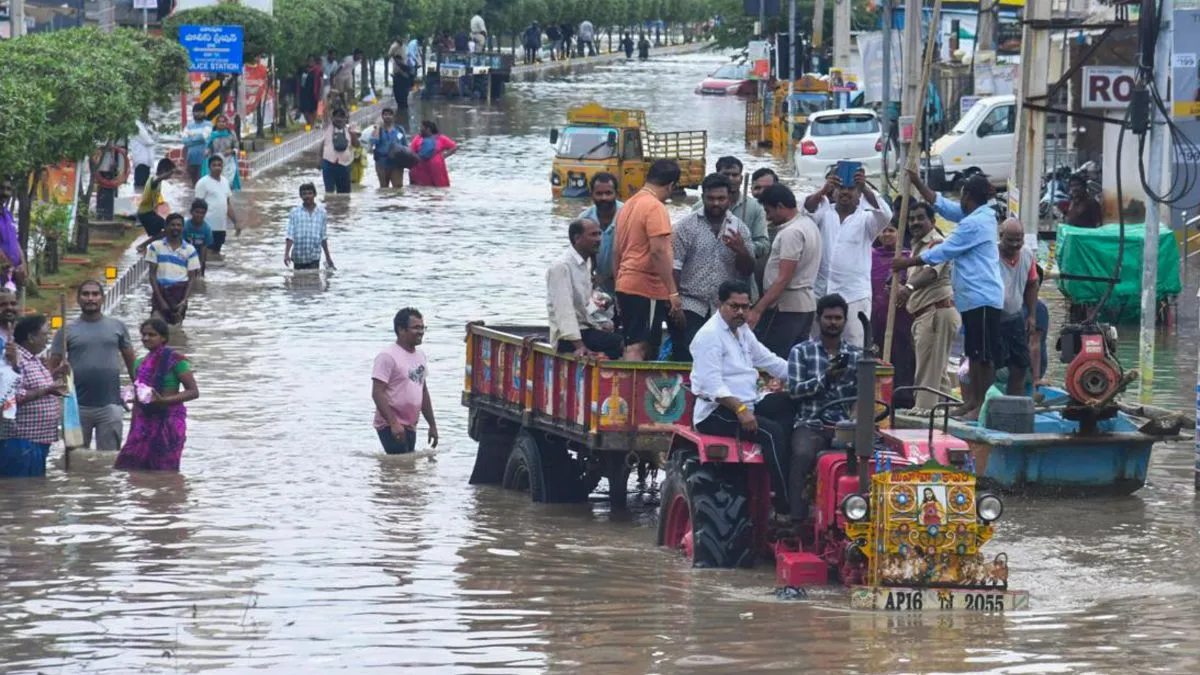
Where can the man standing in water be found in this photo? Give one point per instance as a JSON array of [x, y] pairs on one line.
[[96, 347], [214, 189], [399, 389], [174, 266], [306, 233], [603, 211], [644, 265]]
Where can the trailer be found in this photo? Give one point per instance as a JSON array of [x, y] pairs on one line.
[[554, 424]]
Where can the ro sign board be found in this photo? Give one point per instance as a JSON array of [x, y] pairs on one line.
[[213, 49], [1108, 86]]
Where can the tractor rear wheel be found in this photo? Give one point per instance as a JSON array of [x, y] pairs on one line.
[[543, 468], [705, 515]]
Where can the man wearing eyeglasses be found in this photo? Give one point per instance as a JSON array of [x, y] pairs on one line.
[[726, 358]]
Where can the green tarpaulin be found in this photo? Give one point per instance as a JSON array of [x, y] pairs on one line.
[[1093, 252]]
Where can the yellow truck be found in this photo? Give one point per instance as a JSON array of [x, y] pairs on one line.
[[598, 139], [766, 118]]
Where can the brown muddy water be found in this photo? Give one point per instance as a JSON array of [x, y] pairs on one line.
[[290, 544]]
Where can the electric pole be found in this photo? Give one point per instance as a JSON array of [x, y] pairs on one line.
[[1031, 124], [818, 29], [1156, 212], [841, 34], [17, 17]]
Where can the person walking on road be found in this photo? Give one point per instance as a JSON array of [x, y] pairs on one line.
[[533, 43], [382, 139], [216, 192], [174, 267], [930, 300], [399, 388], [432, 148], [644, 265], [587, 38], [337, 152], [158, 431], [98, 350], [141, 155], [195, 141], [39, 403], [627, 46], [306, 233]]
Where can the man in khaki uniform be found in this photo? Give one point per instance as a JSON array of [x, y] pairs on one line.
[[930, 301]]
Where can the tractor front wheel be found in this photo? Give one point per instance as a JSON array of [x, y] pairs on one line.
[[705, 515]]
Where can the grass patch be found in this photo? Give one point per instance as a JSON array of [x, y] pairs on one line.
[[101, 253]]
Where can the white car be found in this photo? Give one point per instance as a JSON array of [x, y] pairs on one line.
[[853, 134]]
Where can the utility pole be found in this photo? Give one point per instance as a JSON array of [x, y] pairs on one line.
[[818, 29], [985, 31], [1031, 124], [1154, 214], [17, 17], [841, 34], [791, 119]]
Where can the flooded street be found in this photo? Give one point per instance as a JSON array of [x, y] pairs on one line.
[[289, 543]]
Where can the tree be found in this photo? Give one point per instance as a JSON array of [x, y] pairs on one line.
[[65, 92]]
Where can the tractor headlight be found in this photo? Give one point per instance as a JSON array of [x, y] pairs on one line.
[[989, 507], [854, 507], [555, 179]]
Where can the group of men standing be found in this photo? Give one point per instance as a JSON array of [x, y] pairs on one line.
[[774, 283]]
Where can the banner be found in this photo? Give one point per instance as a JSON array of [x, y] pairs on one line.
[[1185, 106]]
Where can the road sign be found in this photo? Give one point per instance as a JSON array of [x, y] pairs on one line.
[[213, 49], [212, 97], [1108, 86]]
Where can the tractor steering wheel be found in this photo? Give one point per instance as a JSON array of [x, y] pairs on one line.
[[848, 411]]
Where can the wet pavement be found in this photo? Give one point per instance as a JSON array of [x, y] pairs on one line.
[[289, 543]]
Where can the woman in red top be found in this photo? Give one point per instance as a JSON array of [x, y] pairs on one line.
[[432, 149]]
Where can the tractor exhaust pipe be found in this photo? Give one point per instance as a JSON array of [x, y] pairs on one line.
[[864, 413]]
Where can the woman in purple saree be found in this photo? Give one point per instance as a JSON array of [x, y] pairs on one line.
[[904, 359], [159, 428]]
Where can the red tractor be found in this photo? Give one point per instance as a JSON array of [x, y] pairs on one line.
[[716, 497]]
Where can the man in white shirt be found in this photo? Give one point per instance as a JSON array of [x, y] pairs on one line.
[[850, 218], [214, 189], [478, 33], [569, 292], [726, 358], [587, 38], [141, 155]]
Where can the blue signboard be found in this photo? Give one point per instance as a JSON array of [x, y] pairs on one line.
[[213, 49]]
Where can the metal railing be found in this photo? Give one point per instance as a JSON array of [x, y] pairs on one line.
[[128, 279]]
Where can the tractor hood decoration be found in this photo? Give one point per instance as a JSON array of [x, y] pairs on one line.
[[924, 529]]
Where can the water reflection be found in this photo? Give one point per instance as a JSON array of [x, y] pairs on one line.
[[290, 544]]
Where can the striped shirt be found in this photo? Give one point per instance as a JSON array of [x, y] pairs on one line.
[[306, 230], [37, 420], [174, 264]]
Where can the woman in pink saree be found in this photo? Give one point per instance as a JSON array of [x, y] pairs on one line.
[[159, 428], [432, 149]]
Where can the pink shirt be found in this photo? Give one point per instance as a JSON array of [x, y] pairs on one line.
[[404, 374]]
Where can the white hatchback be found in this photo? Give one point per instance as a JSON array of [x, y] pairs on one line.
[[853, 134]]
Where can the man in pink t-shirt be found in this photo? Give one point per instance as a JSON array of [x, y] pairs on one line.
[[398, 387]]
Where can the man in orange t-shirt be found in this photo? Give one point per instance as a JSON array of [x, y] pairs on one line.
[[643, 263]]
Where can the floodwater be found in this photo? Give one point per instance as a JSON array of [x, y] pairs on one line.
[[289, 543]]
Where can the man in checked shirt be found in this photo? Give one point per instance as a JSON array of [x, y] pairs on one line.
[[820, 370], [307, 234]]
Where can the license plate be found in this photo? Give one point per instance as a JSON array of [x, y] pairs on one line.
[[938, 600]]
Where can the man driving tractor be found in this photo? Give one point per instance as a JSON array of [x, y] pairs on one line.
[[820, 370], [726, 357]]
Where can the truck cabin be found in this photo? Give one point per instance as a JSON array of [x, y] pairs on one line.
[[580, 143]]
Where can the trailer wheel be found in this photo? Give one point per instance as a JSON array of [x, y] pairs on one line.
[[542, 468], [494, 447], [705, 515]]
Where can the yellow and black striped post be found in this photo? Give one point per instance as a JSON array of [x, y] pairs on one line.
[[212, 97]]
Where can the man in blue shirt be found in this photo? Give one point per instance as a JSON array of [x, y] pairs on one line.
[[603, 212], [195, 141], [978, 286]]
